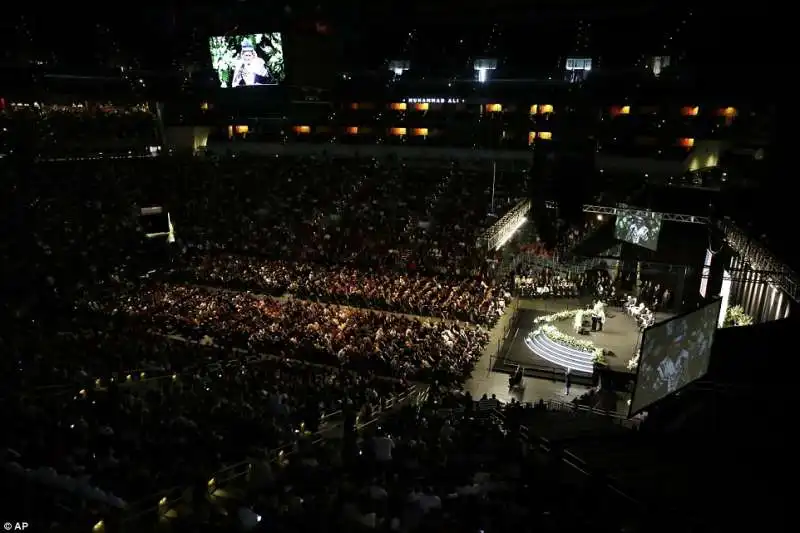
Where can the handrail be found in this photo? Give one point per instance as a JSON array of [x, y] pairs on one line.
[[569, 406], [132, 379], [159, 495], [568, 458], [168, 498], [557, 405], [422, 396]]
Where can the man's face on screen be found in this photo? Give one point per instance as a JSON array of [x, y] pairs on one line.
[[248, 55]]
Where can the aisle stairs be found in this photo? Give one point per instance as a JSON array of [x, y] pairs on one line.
[[345, 201], [431, 199]]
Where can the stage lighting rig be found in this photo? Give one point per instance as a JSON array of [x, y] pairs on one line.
[[668, 217], [502, 230], [762, 262]]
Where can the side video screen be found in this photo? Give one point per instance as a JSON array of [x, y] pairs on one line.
[[638, 228], [248, 60], [674, 354]]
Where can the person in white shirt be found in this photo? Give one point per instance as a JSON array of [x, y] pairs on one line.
[[250, 69]]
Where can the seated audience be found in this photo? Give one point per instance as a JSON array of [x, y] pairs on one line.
[[392, 345], [439, 296]]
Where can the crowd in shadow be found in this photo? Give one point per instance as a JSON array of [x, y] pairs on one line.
[[116, 444], [56, 131], [134, 365], [448, 464]]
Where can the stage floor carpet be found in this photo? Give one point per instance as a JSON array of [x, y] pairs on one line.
[[620, 336]]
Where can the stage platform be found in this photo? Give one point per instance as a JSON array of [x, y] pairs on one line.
[[620, 337]]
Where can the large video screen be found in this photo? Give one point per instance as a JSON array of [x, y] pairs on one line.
[[638, 227], [674, 354], [248, 60]]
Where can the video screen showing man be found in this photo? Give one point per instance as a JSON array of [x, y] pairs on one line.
[[675, 354], [248, 60], [638, 228]]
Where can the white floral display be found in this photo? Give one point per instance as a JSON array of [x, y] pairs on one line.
[[736, 317], [556, 317], [553, 333]]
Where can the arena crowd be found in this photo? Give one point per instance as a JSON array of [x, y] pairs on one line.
[[445, 466], [451, 298], [300, 298], [390, 344]]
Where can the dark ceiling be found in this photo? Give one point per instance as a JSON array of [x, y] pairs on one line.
[[368, 33]]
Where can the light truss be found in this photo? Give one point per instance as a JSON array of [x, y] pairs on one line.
[[669, 217], [648, 266], [503, 229], [745, 276], [760, 260]]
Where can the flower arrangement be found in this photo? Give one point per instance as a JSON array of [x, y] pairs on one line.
[[555, 335], [599, 357], [556, 317], [735, 317]]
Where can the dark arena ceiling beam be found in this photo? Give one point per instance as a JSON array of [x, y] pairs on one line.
[[506, 11], [409, 11], [670, 217]]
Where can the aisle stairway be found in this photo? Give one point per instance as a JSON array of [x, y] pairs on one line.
[[431, 200]]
